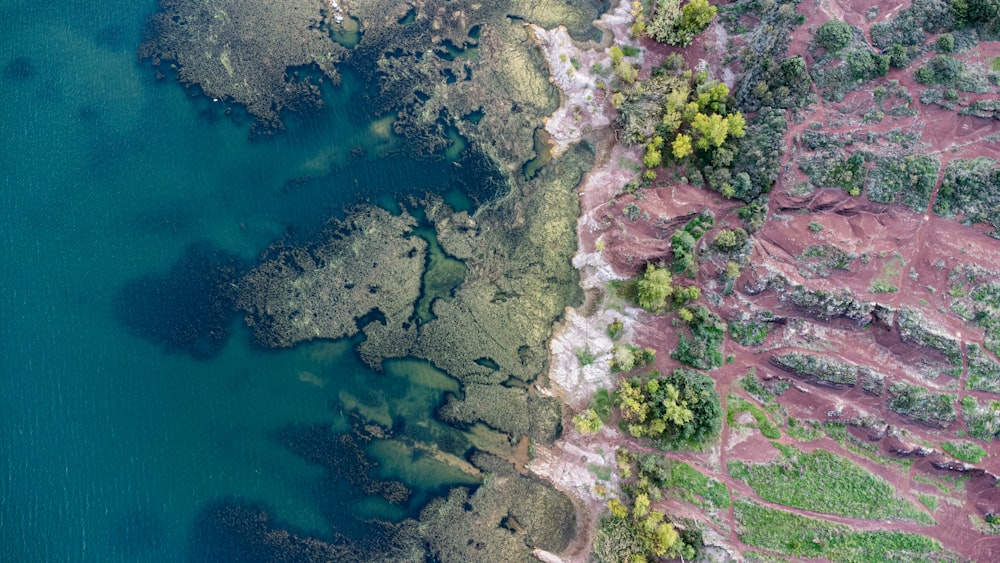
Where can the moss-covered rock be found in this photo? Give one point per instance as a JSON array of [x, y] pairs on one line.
[[501, 522], [453, 59], [508, 409], [367, 263]]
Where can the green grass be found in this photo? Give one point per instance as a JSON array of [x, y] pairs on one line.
[[970, 452], [930, 501], [602, 472], [687, 483], [946, 484], [825, 482], [803, 431], [836, 432], [799, 536], [738, 405]]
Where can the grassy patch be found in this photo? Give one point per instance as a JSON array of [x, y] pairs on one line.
[[799, 536], [803, 431], [738, 405], [825, 482], [930, 501], [585, 356], [683, 481], [602, 472], [969, 452], [883, 282]]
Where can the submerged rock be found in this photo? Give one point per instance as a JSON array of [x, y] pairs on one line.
[[188, 309]]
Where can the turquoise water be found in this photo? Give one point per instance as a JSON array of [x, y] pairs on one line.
[[109, 445]]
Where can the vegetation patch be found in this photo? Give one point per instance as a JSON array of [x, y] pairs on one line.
[[817, 368], [984, 371], [681, 410], [799, 536], [964, 450], [918, 403], [971, 188], [627, 357], [827, 371], [765, 392], [846, 60], [737, 405], [825, 482], [656, 291], [703, 349], [975, 297], [909, 180], [748, 333], [982, 420], [803, 430], [950, 72], [658, 476], [914, 328], [822, 259], [628, 535], [832, 169]]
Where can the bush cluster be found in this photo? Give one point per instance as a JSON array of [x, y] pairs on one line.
[[680, 410]]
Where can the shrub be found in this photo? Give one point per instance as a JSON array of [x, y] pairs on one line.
[[730, 239], [834, 35], [627, 357], [703, 350], [946, 43], [615, 329], [920, 404]]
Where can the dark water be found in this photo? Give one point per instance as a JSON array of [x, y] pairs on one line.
[[110, 445]]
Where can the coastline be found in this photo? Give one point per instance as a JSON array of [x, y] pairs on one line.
[[584, 115]]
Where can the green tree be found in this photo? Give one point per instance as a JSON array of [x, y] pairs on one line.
[[654, 287], [682, 146], [712, 130]]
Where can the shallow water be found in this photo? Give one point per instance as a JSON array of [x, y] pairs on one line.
[[110, 445]]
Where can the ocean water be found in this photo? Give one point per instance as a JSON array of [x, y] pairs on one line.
[[110, 445]]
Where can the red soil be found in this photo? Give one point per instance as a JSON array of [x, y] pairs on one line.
[[856, 225]]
